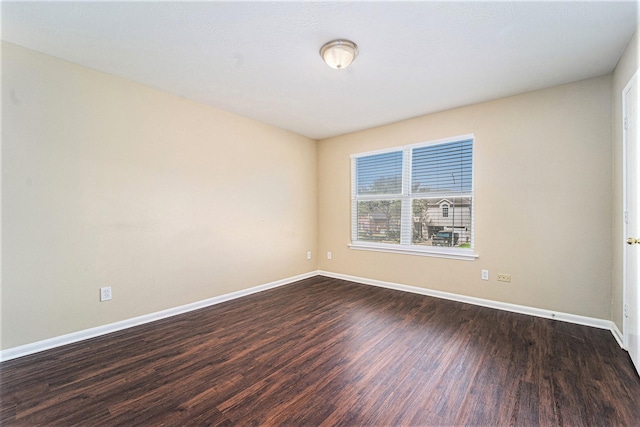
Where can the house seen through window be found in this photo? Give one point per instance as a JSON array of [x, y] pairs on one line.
[[417, 197]]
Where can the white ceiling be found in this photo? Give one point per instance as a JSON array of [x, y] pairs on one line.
[[261, 60]]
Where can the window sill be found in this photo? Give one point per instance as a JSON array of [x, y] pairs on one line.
[[460, 254]]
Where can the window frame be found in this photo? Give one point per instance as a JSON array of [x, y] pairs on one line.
[[406, 197]]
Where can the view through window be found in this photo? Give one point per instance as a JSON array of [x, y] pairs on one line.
[[417, 196]]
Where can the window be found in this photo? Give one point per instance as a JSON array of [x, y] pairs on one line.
[[415, 199]]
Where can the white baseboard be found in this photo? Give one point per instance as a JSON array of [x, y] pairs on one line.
[[522, 309], [24, 350], [617, 335]]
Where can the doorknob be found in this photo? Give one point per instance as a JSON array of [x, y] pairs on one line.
[[631, 241]]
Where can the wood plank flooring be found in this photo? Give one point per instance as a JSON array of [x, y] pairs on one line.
[[327, 352]]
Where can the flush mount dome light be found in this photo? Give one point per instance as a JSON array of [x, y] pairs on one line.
[[339, 54]]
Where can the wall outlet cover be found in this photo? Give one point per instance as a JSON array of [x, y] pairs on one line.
[[504, 277], [105, 294]]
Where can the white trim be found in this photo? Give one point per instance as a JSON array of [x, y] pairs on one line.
[[24, 350], [383, 197], [505, 306], [441, 141], [460, 254], [624, 238], [27, 349], [375, 152], [625, 327], [405, 197], [354, 202], [618, 335], [406, 217], [414, 145]]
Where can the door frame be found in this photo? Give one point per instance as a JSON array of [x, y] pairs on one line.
[[625, 322]]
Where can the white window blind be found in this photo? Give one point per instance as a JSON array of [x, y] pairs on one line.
[[416, 198], [379, 191], [442, 168], [379, 173]]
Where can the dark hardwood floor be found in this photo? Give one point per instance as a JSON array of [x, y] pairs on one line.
[[329, 352]]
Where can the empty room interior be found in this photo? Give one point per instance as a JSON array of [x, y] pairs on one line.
[[320, 213]]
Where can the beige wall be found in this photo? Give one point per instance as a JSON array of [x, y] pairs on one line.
[[543, 179], [625, 69], [106, 182]]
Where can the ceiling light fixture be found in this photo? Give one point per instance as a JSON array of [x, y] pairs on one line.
[[339, 54]]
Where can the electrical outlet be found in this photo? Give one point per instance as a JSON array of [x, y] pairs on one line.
[[328, 255], [504, 277], [105, 294], [308, 254], [485, 274]]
